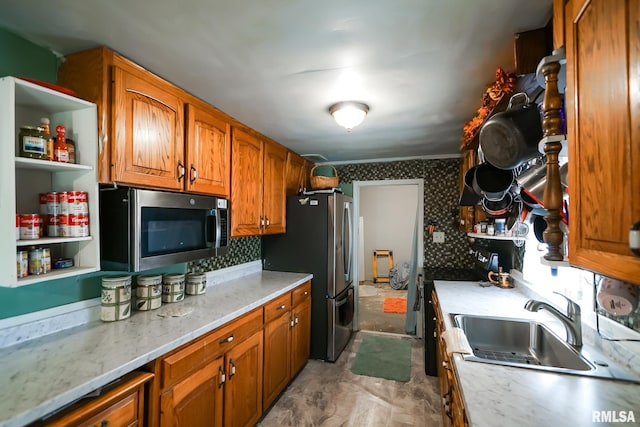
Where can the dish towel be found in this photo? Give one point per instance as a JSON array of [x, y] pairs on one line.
[[456, 341]]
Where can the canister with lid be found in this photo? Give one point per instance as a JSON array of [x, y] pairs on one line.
[[115, 298], [148, 292], [196, 283], [172, 287]]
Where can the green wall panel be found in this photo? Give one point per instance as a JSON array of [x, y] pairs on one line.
[[20, 57]]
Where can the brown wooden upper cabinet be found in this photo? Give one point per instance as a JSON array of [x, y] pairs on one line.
[[208, 152], [258, 200], [296, 173], [146, 138], [148, 147], [603, 120]]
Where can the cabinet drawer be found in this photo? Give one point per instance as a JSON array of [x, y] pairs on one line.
[[275, 308], [227, 336], [119, 405], [301, 293], [192, 357]]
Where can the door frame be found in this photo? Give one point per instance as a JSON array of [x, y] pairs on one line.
[[357, 185]]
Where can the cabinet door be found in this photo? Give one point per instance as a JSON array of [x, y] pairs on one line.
[[277, 357], [274, 197], [148, 126], [243, 389], [208, 152], [301, 337], [195, 401], [246, 184], [295, 175], [603, 111]]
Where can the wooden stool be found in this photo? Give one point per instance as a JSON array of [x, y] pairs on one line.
[[376, 254]]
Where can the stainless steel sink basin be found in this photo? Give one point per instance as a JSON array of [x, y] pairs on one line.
[[530, 344]]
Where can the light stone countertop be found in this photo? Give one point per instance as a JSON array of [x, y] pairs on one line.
[[44, 374], [497, 395]]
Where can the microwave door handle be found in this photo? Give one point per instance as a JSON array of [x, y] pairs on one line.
[[212, 228], [218, 229]]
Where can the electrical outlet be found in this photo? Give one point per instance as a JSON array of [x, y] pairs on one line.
[[438, 237]]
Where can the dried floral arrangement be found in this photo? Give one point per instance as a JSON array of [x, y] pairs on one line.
[[504, 84]]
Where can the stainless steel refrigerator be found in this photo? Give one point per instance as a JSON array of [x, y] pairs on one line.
[[318, 240]]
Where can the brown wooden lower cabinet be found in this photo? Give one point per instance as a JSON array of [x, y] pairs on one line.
[[120, 404], [287, 340], [301, 331], [453, 413], [214, 380], [196, 400]]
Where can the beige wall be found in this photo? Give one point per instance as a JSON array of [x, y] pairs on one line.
[[388, 214]]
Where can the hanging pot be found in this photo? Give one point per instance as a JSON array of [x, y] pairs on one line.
[[469, 197], [491, 182], [498, 208], [539, 225], [511, 137], [534, 179]]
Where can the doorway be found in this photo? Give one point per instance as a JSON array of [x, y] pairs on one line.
[[388, 215]]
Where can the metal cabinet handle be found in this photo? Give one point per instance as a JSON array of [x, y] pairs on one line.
[[261, 221], [232, 369], [194, 174], [226, 340], [291, 322], [297, 320], [223, 377], [306, 293], [282, 307], [267, 220], [181, 170], [634, 238]]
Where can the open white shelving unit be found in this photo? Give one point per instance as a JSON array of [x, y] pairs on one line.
[[23, 179]]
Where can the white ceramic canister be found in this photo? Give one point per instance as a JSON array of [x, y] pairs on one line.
[[115, 300], [172, 287], [148, 292], [196, 283]]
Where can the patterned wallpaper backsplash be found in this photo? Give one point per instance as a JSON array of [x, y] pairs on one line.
[[441, 195], [241, 250]]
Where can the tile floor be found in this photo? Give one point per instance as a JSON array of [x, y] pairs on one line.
[[329, 394], [371, 317]]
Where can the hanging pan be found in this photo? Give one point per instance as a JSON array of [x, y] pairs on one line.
[[511, 137]]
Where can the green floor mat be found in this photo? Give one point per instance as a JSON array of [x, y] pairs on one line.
[[383, 357]]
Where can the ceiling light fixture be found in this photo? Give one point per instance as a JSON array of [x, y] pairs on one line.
[[349, 114]]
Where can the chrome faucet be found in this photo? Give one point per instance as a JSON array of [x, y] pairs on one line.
[[572, 320]]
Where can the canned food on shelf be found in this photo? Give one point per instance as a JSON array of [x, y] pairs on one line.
[[61, 263], [22, 263], [29, 226], [36, 261]]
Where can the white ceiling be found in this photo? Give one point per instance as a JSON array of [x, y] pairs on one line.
[[277, 65]]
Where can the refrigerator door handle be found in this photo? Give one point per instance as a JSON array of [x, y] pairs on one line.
[[346, 252]]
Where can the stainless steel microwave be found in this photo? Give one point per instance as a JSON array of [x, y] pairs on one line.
[[143, 229]]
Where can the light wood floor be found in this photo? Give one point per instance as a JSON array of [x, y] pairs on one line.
[[329, 394]]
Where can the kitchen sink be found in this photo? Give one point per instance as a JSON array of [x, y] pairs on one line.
[[530, 344]]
